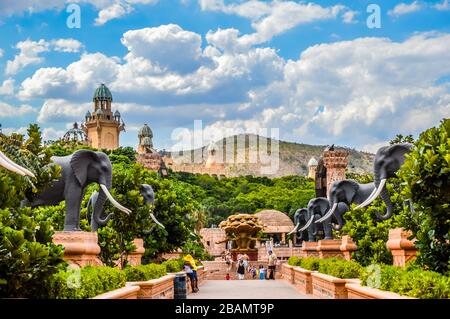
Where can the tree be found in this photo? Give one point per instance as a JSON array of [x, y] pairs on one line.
[[425, 178]]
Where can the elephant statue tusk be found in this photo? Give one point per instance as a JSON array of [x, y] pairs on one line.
[[307, 224], [113, 201], [328, 214], [156, 221], [13, 167], [375, 193], [295, 229]]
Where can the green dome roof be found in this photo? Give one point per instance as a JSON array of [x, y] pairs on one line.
[[147, 141], [102, 93], [145, 131]]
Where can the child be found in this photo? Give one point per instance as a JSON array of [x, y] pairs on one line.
[[227, 277], [262, 272], [253, 271]]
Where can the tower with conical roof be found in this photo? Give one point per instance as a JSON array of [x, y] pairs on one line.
[[102, 126]]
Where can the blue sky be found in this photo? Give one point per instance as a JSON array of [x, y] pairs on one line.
[[312, 69]]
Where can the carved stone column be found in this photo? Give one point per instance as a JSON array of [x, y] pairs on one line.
[[80, 248], [347, 247], [134, 258], [402, 249], [336, 162]]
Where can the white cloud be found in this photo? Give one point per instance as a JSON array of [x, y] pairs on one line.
[[7, 110], [349, 16], [268, 18], [443, 6], [52, 134], [66, 45], [404, 8], [1, 52], [59, 110], [29, 54], [114, 11], [7, 88]]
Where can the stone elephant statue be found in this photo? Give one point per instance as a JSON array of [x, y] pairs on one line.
[[8, 164], [347, 191], [300, 218], [78, 170], [388, 161], [96, 218]]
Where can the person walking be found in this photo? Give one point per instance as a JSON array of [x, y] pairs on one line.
[[272, 265], [191, 271], [241, 270]]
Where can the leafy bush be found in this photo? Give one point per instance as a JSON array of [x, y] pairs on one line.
[[310, 263], [28, 258], [173, 265], [340, 268], [294, 261], [412, 282], [93, 281], [145, 272], [426, 180]]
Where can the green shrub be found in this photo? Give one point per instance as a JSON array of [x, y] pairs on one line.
[[426, 180], [145, 272], [340, 268], [294, 261], [92, 281], [411, 282], [173, 265], [310, 263]]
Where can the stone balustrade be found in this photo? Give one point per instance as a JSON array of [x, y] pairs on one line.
[[402, 249]]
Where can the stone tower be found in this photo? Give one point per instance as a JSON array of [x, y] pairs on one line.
[[102, 126], [312, 167], [336, 162], [145, 136]]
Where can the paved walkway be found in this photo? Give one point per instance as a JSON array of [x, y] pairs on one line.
[[247, 289]]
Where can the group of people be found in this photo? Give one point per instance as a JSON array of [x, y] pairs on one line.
[[260, 272]]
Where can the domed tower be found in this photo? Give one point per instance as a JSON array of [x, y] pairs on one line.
[[102, 126], [145, 136], [75, 134], [312, 166]]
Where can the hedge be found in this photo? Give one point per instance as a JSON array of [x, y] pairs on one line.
[[145, 272], [411, 282], [92, 281], [335, 267], [173, 265]]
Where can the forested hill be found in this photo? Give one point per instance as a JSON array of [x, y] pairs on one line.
[[294, 157]]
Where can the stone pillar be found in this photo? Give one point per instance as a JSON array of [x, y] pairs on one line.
[[402, 249], [80, 248], [309, 249], [336, 162], [134, 258], [347, 247], [329, 248]]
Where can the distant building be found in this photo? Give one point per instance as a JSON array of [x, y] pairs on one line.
[[312, 167], [75, 134], [102, 126], [147, 155]]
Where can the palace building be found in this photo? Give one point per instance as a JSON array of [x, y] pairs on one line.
[[102, 126]]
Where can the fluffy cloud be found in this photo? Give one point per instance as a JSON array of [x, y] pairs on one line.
[[7, 88], [58, 110], [1, 52], [66, 45], [7, 110], [29, 54], [108, 9], [153, 71], [349, 16], [268, 19], [443, 6], [404, 8]]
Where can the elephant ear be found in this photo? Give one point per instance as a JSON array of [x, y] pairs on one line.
[[350, 188], [80, 162]]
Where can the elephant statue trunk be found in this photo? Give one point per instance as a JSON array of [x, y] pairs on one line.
[[382, 191], [13, 167], [99, 202]]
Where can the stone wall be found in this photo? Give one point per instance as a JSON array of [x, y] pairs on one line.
[[210, 236]]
